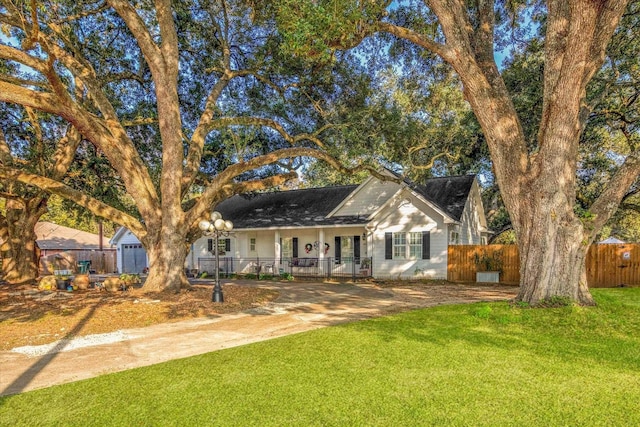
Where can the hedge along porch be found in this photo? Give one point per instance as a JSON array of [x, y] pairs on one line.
[[608, 265]]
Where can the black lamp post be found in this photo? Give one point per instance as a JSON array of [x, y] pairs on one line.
[[216, 227]]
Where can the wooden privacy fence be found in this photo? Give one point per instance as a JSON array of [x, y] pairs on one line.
[[461, 262], [101, 261], [607, 265], [613, 265]]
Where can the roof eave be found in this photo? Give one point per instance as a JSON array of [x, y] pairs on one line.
[[448, 219], [295, 227]]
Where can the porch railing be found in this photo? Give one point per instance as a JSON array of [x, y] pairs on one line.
[[344, 267]]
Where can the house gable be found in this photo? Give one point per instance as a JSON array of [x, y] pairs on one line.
[[368, 198], [445, 196], [406, 212], [473, 223], [123, 236]]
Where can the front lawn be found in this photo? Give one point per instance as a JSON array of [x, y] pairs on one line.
[[479, 364]]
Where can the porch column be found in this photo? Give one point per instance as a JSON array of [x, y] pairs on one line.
[[321, 243], [276, 246]]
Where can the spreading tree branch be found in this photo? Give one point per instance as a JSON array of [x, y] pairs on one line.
[[55, 187]]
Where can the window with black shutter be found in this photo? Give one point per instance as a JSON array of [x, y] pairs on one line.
[[426, 245], [338, 249], [356, 249], [388, 245]]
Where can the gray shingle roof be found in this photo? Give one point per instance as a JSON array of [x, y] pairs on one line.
[[309, 207], [449, 193], [294, 208]]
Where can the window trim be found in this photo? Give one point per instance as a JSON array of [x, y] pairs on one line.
[[403, 241]]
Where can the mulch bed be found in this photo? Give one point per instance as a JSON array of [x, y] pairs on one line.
[[31, 317]]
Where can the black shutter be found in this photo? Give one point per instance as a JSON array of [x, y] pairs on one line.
[[356, 249], [295, 247], [210, 245], [388, 245], [227, 245], [337, 250], [426, 245], [280, 254]]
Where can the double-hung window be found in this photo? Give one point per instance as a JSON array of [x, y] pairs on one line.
[[224, 246], [346, 249], [407, 245], [287, 247], [399, 245], [415, 245]]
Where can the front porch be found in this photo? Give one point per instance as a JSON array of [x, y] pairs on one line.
[[311, 267]]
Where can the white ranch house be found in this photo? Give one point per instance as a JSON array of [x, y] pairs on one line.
[[383, 229]]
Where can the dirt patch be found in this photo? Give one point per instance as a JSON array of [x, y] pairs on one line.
[[31, 317]]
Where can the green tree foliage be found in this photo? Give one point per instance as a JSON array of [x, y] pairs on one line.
[[189, 102], [37, 143], [535, 153]]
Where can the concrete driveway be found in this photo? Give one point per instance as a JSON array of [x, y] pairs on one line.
[[300, 307]]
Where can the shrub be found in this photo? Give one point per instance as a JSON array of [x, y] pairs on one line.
[[112, 284], [48, 283], [130, 279], [286, 276], [486, 262], [81, 281]]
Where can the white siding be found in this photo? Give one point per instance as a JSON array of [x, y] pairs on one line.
[[199, 249], [409, 214], [472, 218], [331, 234], [127, 238], [368, 198]]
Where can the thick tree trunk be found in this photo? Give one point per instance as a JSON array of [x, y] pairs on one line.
[[167, 253], [552, 255], [20, 261], [538, 184]]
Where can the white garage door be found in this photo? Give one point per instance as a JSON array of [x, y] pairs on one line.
[[134, 258]]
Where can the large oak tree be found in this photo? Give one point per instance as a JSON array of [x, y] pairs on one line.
[[42, 150], [191, 102], [537, 181]]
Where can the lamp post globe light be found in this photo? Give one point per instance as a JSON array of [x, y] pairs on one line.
[[216, 227]]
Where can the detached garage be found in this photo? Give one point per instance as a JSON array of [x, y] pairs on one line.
[[131, 256]]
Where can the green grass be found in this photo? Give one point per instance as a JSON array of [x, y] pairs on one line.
[[469, 365]]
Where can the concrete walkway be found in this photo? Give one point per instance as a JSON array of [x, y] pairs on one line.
[[300, 307]]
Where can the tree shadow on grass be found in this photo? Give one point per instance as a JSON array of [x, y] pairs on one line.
[[572, 335]]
